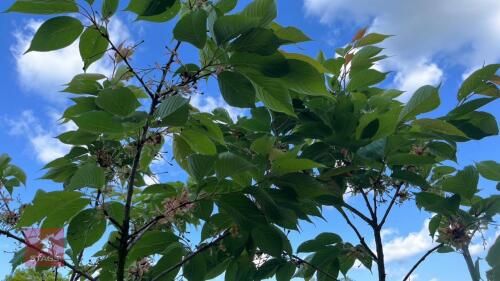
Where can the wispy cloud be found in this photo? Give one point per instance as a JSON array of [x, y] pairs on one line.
[[44, 73], [41, 140], [451, 32]]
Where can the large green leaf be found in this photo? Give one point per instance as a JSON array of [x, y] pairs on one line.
[[464, 183], [98, 122], [410, 159], [476, 80], [195, 269], [92, 46], [56, 33], [438, 126], [43, 6], [370, 39], [476, 125], [268, 239], [493, 257], [173, 111], [145, 8], [438, 204], [77, 137], [226, 5], [88, 175], [264, 10], [229, 164], [200, 166], [119, 101], [85, 229], [229, 27], [290, 35], [109, 8], [275, 65], [86, 83], [236, 89], [489, 170], [322, 240], [55, 207], [304, 79], [365, 78], [153, 242], [289, 165], [425, 99], [199, 142], [192, 28], [258, 40]]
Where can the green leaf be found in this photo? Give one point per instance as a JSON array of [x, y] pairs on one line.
[[88, 175], [236, 89], [226, 6], [157, 7], [229, 164], [425, 99], [272, 93], [285, 272], [438, 204], [192, 28], [241, 209], [144, 7], [268, 240], [469, 106], [365, 78], [85, 84], [410, 159], [85, 229], [43, 7], [291, 35], [55, 207], [119, 101], [195, 269], [153, 242], [264, 10], [77, 137], [199, 142], [434, 224], [476, 125], [173, 111], [493, 257], [464, 183], [109, 8], [283, 166], [200, 166], [411, 178], [304, 79], [92, 46], [263, 145], [56, 33], [476, 80], [259, 40], [439, 127], [489, 170], [229, 27], [320, 242], [370, 39], [98, 122]]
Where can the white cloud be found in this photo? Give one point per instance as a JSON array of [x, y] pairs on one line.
[[402, 247], [42, 142], [209, 103], [44, 73], [455, 32], [410, 78]]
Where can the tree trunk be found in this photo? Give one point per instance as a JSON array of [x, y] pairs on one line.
[[380, 255], [470, 263]]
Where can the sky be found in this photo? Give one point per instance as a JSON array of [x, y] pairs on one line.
[[434, 42]]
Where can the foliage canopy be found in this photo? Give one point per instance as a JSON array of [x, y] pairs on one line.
[[318, 129]]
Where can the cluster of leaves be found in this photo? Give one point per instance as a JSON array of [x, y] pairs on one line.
[[318, 129]]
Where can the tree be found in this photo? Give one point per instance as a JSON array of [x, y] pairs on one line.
[[318, 129], [31, 274]]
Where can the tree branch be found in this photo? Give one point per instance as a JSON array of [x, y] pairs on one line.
[[358, 213], [333, 278], [421, 260], [192, 255], [65, 263], [391, 204], [358, 234]]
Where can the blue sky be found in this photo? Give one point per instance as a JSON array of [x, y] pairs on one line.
[[435, 42]]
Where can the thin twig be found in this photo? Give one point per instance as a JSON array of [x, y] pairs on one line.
[[358, 234], [421, 260], [391, 204]]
